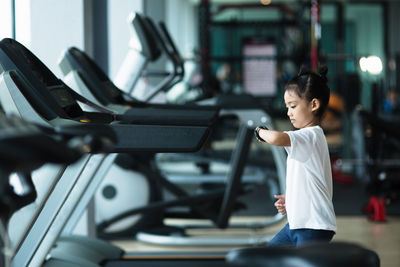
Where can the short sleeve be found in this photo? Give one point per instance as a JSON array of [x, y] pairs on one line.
[[301, 144]]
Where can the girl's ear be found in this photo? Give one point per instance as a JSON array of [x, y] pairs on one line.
[[315, 104]]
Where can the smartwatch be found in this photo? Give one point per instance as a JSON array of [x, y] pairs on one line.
[[256, 132]]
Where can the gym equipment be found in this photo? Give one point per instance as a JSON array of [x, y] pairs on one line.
[[313, 255], [179, 138], [62, 102], [24, 147], [91, 81], [30, 90], [244, 107], [142, 50], [23, 75], [86, 77]]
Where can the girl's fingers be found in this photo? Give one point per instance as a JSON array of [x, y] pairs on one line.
[[280, 204], [281, 211], [280, 197]]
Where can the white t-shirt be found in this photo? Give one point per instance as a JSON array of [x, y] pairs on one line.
[[309, 181]]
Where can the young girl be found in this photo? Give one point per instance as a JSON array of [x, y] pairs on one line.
[[308, 198]]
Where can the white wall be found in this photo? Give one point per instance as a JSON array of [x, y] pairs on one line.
[[183, 27], [48, 27], [118, 31]]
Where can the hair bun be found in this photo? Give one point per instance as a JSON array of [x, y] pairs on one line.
[[304, 71], [323, 70]]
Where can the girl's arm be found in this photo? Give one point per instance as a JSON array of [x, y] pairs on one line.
[[273, 137]]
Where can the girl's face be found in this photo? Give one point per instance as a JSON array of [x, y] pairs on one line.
[[300, 111]]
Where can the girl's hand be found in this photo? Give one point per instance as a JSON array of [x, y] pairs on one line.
[[280, 204]]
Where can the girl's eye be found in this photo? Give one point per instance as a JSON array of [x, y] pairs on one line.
[[292, 107]]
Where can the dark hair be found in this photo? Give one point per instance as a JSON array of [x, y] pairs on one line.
[[309, 85]]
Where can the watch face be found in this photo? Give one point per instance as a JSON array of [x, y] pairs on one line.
[[257, 135]]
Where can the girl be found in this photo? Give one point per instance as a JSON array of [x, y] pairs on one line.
[[308, 198]]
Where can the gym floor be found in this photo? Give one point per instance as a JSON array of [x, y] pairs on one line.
[[383, 238]]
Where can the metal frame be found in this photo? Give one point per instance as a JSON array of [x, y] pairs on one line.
[[58, 207]]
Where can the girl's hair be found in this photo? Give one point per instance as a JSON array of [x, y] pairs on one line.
[[309, 85]]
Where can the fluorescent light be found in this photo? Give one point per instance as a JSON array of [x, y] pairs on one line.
[[363, 64], [372, 64]]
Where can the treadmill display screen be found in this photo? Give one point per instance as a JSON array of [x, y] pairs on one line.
[[111, 88], [63, 98]]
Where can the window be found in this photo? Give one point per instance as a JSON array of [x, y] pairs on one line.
[[6, 18]]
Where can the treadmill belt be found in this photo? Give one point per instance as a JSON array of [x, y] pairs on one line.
[[171, 258], [167, 263]]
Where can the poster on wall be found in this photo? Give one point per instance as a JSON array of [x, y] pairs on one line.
[[259, 68]]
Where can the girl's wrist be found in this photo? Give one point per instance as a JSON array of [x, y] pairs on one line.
[[257, 132]]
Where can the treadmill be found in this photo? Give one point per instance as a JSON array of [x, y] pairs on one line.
[[29, 90], [147, 42], [85, 76], [90, 80], [25, 147]]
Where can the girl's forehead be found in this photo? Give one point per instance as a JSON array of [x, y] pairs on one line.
[[291, 95]]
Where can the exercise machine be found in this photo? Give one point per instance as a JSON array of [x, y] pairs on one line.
[[30, 90], [245, 108], [93, 83], [83, 75], [150, 42], [24, 148]]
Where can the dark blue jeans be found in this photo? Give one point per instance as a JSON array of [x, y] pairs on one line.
[[298, 237]]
